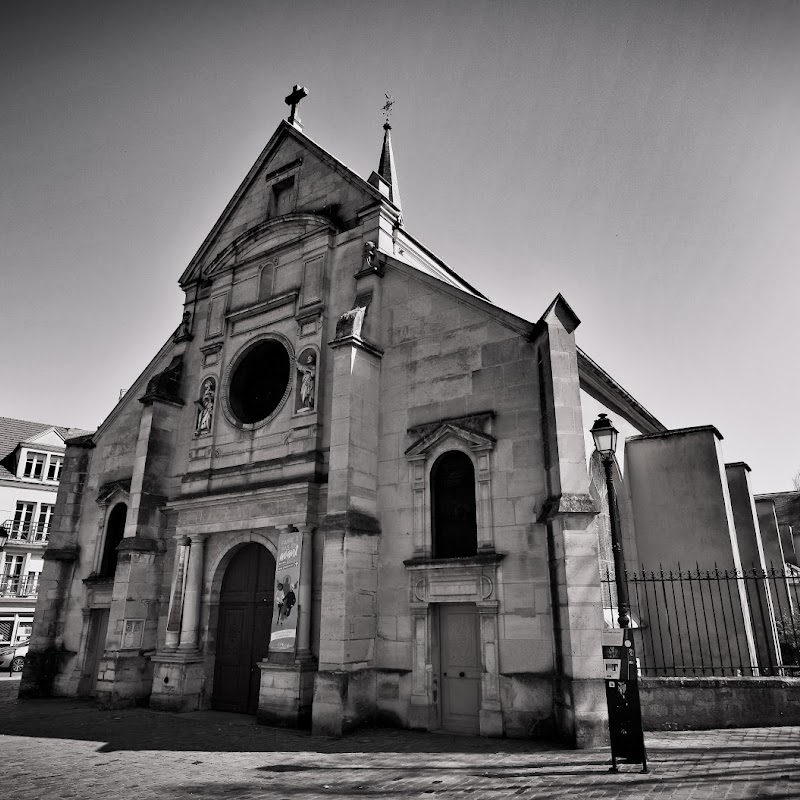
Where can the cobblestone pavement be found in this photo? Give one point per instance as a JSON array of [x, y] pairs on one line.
[[70, 749]]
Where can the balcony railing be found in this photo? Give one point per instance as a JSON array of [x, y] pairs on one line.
[[31, 532], [19, 587]]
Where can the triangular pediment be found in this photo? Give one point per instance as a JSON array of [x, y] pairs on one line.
[[325, 188], [114, 492], [472, 431], [49, 438]]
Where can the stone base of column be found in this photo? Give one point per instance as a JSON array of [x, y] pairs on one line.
[[286, 694], [123, 680], [177, 681], [422, 715], [41, 671], [342, 701], [581, 712], [491, 722]]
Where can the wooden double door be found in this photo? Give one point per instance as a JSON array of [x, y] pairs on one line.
[[243, 629]]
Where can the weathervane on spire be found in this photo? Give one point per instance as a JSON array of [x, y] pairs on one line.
[[387, 109]]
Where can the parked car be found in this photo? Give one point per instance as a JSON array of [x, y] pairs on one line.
[[13, 658]]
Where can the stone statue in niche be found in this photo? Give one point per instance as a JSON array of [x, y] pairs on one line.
[[308, 379], [205, 413], [369, 255], [185, 328]]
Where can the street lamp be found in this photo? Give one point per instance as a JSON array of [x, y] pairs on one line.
[[605, 441], [3, 536]]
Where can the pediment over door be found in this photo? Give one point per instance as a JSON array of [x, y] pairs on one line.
[[473, 432]]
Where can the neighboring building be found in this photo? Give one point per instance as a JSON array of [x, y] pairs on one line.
[[787, 514], [31, 459]]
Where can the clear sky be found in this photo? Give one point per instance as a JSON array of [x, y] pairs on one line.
[[642, 158]]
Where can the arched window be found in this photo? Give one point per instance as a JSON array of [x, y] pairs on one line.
[[114, 533], [455, 527]]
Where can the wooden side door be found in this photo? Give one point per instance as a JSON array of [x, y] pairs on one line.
[[96, 645], [460, 667]]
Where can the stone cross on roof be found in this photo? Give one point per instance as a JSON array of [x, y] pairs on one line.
[[292, 100]]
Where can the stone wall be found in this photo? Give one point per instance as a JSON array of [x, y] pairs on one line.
[[445, 360], [706, 703]]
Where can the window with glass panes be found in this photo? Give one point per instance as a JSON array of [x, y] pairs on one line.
[[43, 522], [30, 582], [11, 572], [23, 517], [54, 467], [24, 631], [34, 466]]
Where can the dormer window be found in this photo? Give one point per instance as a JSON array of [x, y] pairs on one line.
[[54, 468], [42, 466], [34, 466]]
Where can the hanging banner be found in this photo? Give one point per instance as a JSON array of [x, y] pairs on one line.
[[283, 637], [622, 696]]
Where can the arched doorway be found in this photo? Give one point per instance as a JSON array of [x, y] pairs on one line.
[[245, 616]]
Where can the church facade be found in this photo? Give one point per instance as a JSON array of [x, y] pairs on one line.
[[349, 489]]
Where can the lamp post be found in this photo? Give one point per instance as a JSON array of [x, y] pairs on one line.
[[605, 442], [622, 689]]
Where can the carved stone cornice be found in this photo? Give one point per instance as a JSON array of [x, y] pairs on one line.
[[351, 522], [567, 505]]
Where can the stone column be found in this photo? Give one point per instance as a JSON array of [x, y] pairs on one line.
[[304, 596], [194, 592], [423, 710], [173, 634], [484, 475]]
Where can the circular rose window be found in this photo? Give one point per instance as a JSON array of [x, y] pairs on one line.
[[259, 381]]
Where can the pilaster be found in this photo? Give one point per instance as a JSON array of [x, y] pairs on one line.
[[46, 651], [568, 514], [348, 625]]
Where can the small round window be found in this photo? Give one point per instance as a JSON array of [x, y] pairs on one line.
[[259, 381]]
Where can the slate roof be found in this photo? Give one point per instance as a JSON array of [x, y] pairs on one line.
[[14, 431]]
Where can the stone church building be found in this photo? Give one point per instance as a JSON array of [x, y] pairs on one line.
[[349, 489]]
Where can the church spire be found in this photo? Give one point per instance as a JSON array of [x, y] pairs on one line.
[[386, 167]]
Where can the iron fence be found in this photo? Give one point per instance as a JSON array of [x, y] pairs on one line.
[[21, 531], [720, 622]]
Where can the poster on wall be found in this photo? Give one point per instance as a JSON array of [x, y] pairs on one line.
[[283, 636]]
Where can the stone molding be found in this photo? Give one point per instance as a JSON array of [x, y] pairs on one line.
[[453, 580], [69, 553], [140, 544], [351, 522], [567, 504], [166, 385]]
